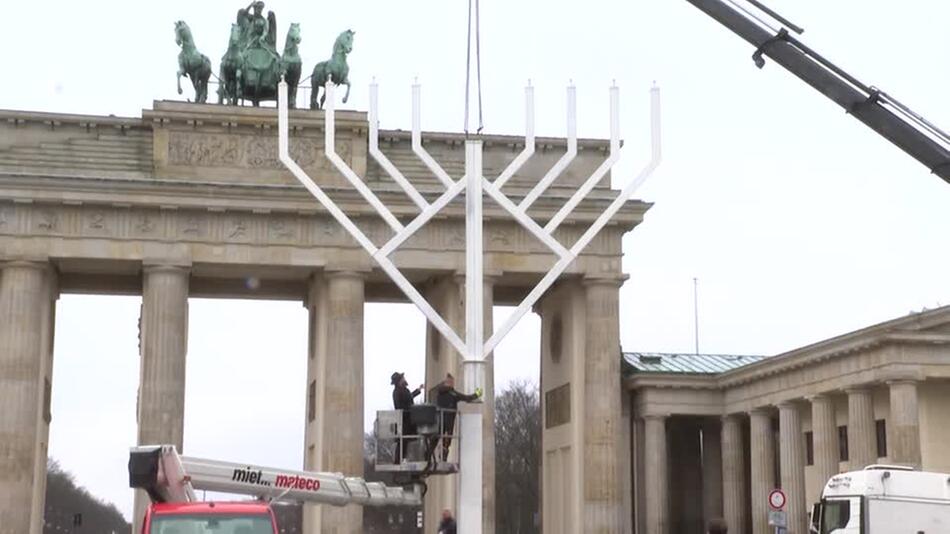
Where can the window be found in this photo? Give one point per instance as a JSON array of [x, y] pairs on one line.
[[881, 427], [556, 341], [809, 448], [47, 395], [311, 340], [208, 524], [434, 338], [312, 401], [843, 443], [557, 406], [835, 515]]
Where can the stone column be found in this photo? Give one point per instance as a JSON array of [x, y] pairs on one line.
[[603, 495], [685, 476], [793, 466], [862, 437], [627, 454], [488, 418], [563, 363], [163, 342], [903, 429], [712, 471], [446, 295], [825, 438], [342, 415], [734, 499], [762, 455], [656, 473], [27, 295], [317, 305], [639, 476]]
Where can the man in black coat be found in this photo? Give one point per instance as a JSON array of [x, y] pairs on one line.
[[447, 525], [447, 398], [402, 400]]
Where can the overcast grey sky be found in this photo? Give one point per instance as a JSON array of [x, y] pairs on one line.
[[798, 221]]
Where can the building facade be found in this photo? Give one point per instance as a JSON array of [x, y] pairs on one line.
[[709, 436]]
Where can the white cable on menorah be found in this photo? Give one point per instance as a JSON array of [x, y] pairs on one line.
[[473, 348]]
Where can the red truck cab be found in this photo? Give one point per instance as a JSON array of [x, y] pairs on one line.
[[249, 517]]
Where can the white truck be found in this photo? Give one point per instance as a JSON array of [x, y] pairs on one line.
[[884, 499]]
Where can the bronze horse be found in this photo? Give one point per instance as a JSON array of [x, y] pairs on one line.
[[192, 63]]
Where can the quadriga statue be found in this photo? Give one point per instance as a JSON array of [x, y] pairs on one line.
[[251, 68]]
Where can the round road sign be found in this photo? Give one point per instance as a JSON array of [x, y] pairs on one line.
[[777, 499]]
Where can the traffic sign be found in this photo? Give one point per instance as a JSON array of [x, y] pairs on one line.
[[777, 499], [777, 518]]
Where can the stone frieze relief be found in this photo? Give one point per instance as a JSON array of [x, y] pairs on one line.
[[240, 227], [246, 151]]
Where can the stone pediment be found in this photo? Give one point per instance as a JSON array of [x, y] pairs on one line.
[[924, 327], [927, 327]]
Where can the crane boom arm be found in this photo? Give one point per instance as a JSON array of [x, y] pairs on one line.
[[168, 477], [888, 117]]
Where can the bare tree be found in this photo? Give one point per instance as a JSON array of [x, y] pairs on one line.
[[517, 459], [71, 508]]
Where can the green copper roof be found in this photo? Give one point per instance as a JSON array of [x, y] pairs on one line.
[[663, 362]]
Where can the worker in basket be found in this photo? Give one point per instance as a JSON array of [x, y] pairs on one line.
[[447, 398], [403, 400]]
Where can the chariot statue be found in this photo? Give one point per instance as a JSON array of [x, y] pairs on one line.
[[251, 67]]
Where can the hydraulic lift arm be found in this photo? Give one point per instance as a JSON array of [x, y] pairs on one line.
[[168, 477], [888, 117]]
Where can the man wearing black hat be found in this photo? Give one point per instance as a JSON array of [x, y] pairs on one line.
[[402, 400]]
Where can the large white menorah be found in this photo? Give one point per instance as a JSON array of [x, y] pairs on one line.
[[474, 348]]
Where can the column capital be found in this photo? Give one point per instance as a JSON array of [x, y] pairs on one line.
[[613, 280], [166, 268], [489, 276], [330, 274], [858, 388], [27, 263], [164, 256], [787, 405], [730, 417], [761, 410], [655, 417], [902, 381], [902, 374], [818, 398]]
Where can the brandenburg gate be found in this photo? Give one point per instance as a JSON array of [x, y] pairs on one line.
[[190, 200]]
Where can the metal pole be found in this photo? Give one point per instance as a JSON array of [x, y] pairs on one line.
[[470, 461], [474, 370], [696, 313]]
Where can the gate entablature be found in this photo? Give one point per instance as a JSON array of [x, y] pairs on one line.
[[99, 194]]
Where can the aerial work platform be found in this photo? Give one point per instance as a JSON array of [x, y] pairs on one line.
[[421, 449]]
